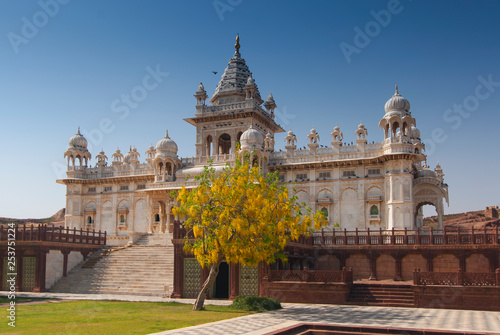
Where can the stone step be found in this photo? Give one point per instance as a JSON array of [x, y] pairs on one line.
[[111, 285], [132, 264], [382, 301], [141, 270], [141, 293], [381, 295]]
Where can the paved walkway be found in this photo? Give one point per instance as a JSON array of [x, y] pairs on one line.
[[422, 318]]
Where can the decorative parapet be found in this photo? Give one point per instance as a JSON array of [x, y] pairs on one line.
[[421, 236], [327, 154], [456, 278]]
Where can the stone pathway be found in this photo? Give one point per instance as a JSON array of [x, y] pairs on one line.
[[422, 318], [291, 314]]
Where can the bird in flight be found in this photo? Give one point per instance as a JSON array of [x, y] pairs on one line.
[[214, 72]]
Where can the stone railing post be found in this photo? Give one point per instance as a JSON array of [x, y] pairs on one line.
[[497, 279], [460, 277], [415, 277]]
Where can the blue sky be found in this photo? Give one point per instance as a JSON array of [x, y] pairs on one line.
[[64, 64]]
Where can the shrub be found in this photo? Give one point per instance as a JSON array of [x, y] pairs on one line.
[[257, 304]]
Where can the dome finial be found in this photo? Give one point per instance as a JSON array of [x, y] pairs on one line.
[[397, 92], [166, 134], [237, 45], [78, 132]]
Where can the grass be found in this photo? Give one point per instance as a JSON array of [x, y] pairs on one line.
[[110, 317]]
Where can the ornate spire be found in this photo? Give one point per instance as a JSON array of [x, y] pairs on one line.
[[397, 92], [237, 45], [234, 80], [78, 132]]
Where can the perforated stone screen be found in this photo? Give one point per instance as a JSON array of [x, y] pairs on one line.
[[249, 280], [28, 274], [192, 278]]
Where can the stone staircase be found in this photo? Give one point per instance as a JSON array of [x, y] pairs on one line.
[[381, 295], [146, 268]]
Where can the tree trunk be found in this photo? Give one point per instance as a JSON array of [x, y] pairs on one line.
[[214, 270]]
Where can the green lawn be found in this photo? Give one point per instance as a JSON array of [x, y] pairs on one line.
[[109, 317]]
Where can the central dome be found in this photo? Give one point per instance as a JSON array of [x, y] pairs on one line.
[[397, 103], [166, 146]]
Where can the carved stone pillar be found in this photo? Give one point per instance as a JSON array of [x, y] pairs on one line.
[[373, 265], [462, 263], [19, 270], [169, 227], [342, 259], [234, 282], [178, 270], [65, 253], [40, 270], [398, 257], [430, 261], [493, 261], [85, 254]]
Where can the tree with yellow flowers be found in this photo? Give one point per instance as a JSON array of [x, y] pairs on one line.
[[240, 216]]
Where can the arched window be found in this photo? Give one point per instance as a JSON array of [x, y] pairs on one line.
[[324, 210], [157, 217], [89, 220], [209, 145], [374, 210], [395, 128], [224, 144], [122, 218]]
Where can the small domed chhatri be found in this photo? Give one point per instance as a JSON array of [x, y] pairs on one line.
[[78, 141], [166, 145], [251, 139], [414, 132], [397, 103]]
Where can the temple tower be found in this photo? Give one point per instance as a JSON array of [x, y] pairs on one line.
[[236, 105]]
